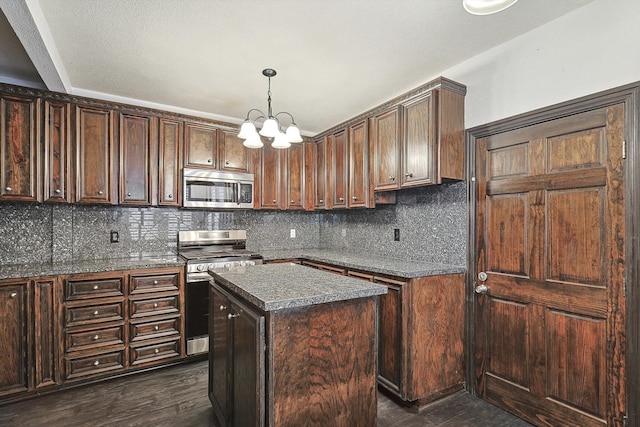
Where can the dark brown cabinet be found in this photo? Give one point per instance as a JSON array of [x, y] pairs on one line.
[[57, 145], [295, 177], [169, 158], [338, 174], [14, 363], [320, 174], [200, 146], [360, 190], [96, 177], [233, 155], [47, 332], [237, 359], [19, 149], [385, 146], [138, 148], [272, 190]]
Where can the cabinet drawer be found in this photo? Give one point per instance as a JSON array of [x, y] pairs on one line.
[[166, 282], [95, 338], [152, 353], [155, 306], [94, 364], [88, 315], [155, 329], [82, 289], [325, 267]]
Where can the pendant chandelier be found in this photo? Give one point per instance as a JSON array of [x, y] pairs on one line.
[[270, 126]]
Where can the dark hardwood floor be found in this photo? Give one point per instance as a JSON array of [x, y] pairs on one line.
[[177, 396]]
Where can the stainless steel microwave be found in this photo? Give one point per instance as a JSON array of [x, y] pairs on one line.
[[211, 189]]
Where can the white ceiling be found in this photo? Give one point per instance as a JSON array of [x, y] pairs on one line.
[[334, 58]]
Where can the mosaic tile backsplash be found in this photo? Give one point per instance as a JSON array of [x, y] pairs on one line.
[[431, 220]]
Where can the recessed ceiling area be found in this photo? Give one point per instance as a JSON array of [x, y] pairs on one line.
[[334, 58]]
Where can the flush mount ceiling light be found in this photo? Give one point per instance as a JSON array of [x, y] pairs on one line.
[[486, 7], [270, 126]]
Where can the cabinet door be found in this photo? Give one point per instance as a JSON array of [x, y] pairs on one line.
[[95, 153], [13, 335], [57, 152], [19, 154], [46, 300], [390, 337], [219, 354], [271, 177], [138, 140], [248, 372], [359, 189], [200, 146], [233, 155], [385, 136], [295, 173], [419, 142], [339, 170], [320, 167], [169, 162]]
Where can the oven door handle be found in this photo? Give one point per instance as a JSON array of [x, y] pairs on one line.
[[238, 188]]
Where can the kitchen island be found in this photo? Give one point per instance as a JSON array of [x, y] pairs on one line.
[[292, 346]]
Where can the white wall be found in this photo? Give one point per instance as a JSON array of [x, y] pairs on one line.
[[594, 48]]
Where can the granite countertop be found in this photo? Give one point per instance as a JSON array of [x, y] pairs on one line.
[[10, 271], [405, 268], [280, 286]]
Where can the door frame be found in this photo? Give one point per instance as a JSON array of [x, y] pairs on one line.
[[630, 96]]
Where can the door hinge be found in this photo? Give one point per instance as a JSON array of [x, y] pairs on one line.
[[624, 286], [624, 149]]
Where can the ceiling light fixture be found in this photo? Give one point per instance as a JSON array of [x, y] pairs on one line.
[[486, 7], [270, 126]]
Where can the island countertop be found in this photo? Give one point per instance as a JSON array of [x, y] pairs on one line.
[[281, 286]]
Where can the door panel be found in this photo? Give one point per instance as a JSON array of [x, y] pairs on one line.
[[550, 237]]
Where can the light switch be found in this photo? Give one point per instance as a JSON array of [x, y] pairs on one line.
[[292, 233]]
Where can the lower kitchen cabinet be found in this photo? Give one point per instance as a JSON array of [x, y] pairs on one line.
[[14, 371]]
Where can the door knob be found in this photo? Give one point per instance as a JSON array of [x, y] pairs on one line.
[[481, 289], [482, 276]]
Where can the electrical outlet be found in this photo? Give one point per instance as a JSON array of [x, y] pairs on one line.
[[115, 237], [292, 233], [344, 232], [396, 234]]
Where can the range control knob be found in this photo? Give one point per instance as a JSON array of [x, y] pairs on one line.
[[228, 265], [200, 267]]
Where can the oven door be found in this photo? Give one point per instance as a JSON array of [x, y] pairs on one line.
[[197, 317]]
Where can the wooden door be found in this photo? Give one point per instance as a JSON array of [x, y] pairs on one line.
[[200, 146], [339, 171], [233, 155], [359, 166], [19, 154], [385, 135], [219, 353], [271, 177], [46, 303], [170, 141], [419, 141], [14, 371], [390, 337], [57, 152], [550, 329], [95, 151], [295, 177], [138, 142], [320, 158]]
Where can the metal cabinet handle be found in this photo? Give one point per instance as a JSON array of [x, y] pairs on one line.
[[95, 287], [208, 160], [223, 307], [155, 305], [156, 351], [155, 282], [321, 200], [8, 189], [58, 191], [408, 175], [292, 201], [100, 192], [274, 201], [128, 194], [226, 162], [354, 198], [96, 337], [392, 178], [481, 289], [170, 196], [96, 363], [156, 327], [231, 316], [95, 313], [14, 294]]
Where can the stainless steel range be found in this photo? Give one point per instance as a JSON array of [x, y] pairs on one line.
[[204, 250]]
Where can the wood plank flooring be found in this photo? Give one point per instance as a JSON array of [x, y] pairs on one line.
[[177, 396]]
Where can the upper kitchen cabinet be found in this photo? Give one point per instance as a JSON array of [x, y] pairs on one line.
[[419, 138], [360, 190], [200, 146], [232, 154], [319, 162], [338, 173], [170, 145], [385, 144], [19, 154], [297, 179], [272, 190], [57, 146], [138, 148], [95, 153]]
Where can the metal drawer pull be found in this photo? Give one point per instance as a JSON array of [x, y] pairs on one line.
[[170, 196], [156, 351], [156, 327], [223, 307], [155, 305], [208, 160], [58, 191], [342, 199], [321, 200], [14, 294], [96, 363], [392, 178], [96, 337], [231, 316], [7, 189], [128, 194], [95, 287], [354, 198], [408, 175], [101, 192], [155, 282], [95, 313]]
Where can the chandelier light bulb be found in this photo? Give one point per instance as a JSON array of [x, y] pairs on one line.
[[269, 128], [280, 141]]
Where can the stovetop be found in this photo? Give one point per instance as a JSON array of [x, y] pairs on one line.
[[209, 253]]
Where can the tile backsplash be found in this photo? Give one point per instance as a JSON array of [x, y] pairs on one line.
[[432, 223]]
